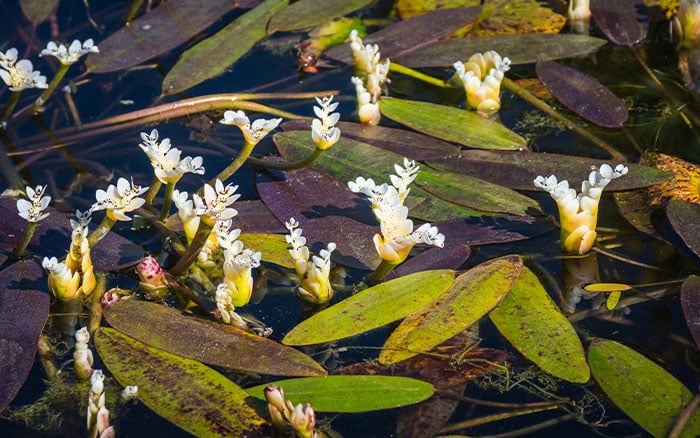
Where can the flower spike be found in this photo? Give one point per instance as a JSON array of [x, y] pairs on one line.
[[323, 131]]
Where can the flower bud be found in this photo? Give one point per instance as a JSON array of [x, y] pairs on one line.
[[152, 279]]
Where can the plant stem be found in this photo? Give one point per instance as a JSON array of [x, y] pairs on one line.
[[193, 250], [493, 418], [28, 233], [168, 201], [380, 272], [237, 163], [9, 107], [62, 70], [152, 191], [101, 231], [274, 165], [684, 416], [96, 303], [398, 68]]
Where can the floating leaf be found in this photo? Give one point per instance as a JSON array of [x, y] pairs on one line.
[[37, 11], [451, 256], [24, 309], [451, 124], [254, 217], [206, 341], [475, 193], [521, 17], [534, 325], [486, 230], [304, 14], [371, 308], [408, 35], [351, 393], [583, 94], [606, 287], [520, 49], [684, 218], [349, 159], [613, 299], [215, 54], [190, 395], [517, 170], [622, 21], [273, 247], [162, 29], [690, 301], [652, 397], [471, 296]]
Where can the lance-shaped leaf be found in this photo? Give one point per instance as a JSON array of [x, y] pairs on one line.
[[651, 396], [534, 325], [690, 301], [684, 218], [371, 308], [215, 54], [451, 124], [304, 14], [185, 392], [164, 28], [622, 21], [518, 170], [273, 248], [351, 393], [487, 230], [583, 94], [349, 159], [206, 341], [519, 48], [24, 309], [471, 296], [451, 256]]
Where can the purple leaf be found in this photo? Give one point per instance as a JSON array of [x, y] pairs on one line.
[[685, 220], [582, 94], [690, 301], [24, 309], [622, 21], [486, 230], [452, 256], [255, 217]]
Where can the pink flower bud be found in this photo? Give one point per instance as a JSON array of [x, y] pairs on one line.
[[153, 282]]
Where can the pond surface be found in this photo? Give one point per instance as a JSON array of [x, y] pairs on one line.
[[75, 162]]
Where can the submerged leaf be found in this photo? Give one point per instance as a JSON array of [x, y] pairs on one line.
[[471, 296], [652, 397], [351, 393], [684, 218], [451, 124], [371, 308], [206, 341], [583, 94], [534, 325], [622, 21], [37, 11], [304, 14], [690, 301], [190, 395]]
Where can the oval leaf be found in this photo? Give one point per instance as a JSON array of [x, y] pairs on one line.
[[206, 341], [622, 21], [164, 28], [351, 393], [690, 300], [273, 247], [190, 395], [451, 124], [582, 94], [606, 287], [652, 397], [534, 325], [471, 296], [304, 14], [520, 49], [37, 11], [684, 218], [371, 308]]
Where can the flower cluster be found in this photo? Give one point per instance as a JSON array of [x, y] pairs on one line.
[[323, 131], [166, 162], [315, 285], [238, 268], [97, 413], [32, 208], [216, 204], [580, 15], [371, 76], [397, 236], [120, 199], [71, 54], [82, 356], [254, 132], [152, 280], [578, 213], [301, 418], [19, 74], [482, 76]]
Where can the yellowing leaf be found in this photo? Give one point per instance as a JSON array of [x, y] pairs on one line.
[[613, 299], [517, 16], [273, 247], [606, 287]]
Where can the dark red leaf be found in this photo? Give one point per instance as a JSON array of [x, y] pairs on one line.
[[685, 220], [255, 217], [622, 21], [486, 230], [690, 300], [452, 256]]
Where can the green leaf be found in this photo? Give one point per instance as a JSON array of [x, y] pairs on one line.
[[215, 54], [37, 11], [651, 396], [190, 395], [534, 325], [521, 49], [371, 308], [475, 193], [451, 124], [164, 28], [273, 247], [304, 14], [349, 159], [351, 393], [207, 341], [471, 296]]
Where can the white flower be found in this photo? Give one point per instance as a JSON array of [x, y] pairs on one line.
[[120, 199], [71, 54], [216, 201], [32, 208], [371, 76], [130, 392], [252, 133], [579, 15], [482, 76], [20, 75], [186, 213], [315, 285], [8, 59], [166, 162], [323, 131], [367, 107]]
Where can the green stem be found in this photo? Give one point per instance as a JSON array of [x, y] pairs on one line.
[[9, 107], [380, 272], [398, 68], [152, 191], [195, 247], [62, 70], [168, 201], [274, 165], [237, 163], [101, 231], [19, 249], [493, 418]]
